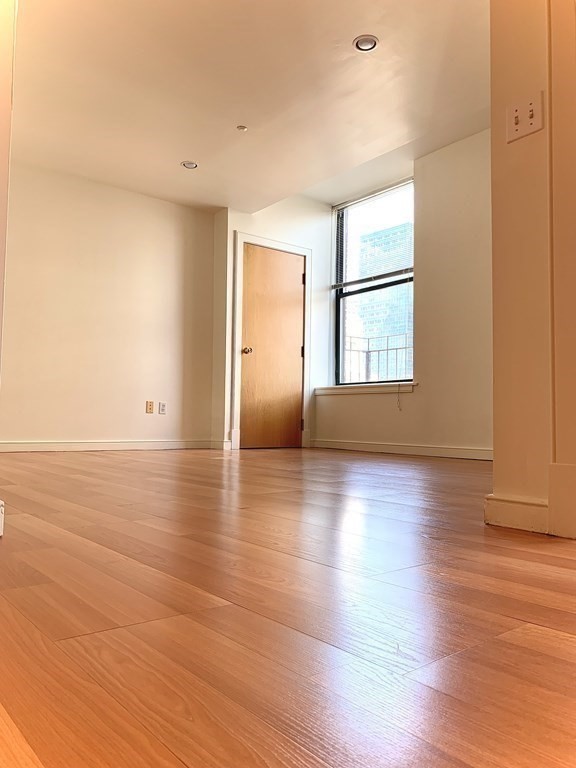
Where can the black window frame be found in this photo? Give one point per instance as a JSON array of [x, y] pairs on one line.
[[342, 290]]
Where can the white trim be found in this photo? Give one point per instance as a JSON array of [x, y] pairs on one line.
[[220, 445], [235, 439], [240, 240], [332, 300], [388, 388], [523, 513], [451, 452], [103, 445], [382, 191]]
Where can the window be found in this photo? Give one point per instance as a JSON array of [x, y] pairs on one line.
[[374, 288]]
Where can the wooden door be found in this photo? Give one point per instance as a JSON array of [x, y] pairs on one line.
[[272, 342]]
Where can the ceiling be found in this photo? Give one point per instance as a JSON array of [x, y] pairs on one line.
[[121, 92]]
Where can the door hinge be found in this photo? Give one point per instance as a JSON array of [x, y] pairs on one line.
[[302, 351], [302, 425], [303, 278]]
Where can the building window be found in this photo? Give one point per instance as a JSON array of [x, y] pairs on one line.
[[374, 288]]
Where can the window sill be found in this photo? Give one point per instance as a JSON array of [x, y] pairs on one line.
[[392, 388]]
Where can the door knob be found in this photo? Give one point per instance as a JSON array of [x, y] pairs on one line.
[[247, 351]]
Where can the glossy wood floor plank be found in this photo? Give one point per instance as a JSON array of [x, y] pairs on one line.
[[516, 682], [16, 751], [41, 534], [325, 546], [14, 572], [441, 583], [275, 599], [65, 717], [311, 599], [179, 595], [363, 556], [548, 641], [295, 650], [460, 725], [328, 727], [277, 609], [541, 579], [57, 510], [167, 698], [81, 598], [553, 593]]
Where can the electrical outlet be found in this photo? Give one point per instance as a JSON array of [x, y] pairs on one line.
[[149, 406], [162, 408]]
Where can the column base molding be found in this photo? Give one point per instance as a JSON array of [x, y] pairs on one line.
[[555, 516], [518, 512], [563, 500]]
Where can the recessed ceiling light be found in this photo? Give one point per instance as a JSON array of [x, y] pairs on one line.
[[242, 128], [365, 43], [190, 164]]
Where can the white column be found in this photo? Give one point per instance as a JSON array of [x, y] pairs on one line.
[[521, 271], [534, 274]]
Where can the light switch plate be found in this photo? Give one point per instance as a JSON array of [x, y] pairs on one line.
[[525, 117]]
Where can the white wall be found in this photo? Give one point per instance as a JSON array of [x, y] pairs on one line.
[[298, 221], [7, 16], [108, 304], [450, 412]]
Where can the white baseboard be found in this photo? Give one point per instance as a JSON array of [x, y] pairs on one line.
[[450, 452], [221, 445], [526, 514], [104, 445], [234, 443]]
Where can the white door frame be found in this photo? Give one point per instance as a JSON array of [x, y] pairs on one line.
[[240, 240]]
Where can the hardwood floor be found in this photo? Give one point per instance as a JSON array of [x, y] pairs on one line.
[[278, 609]]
